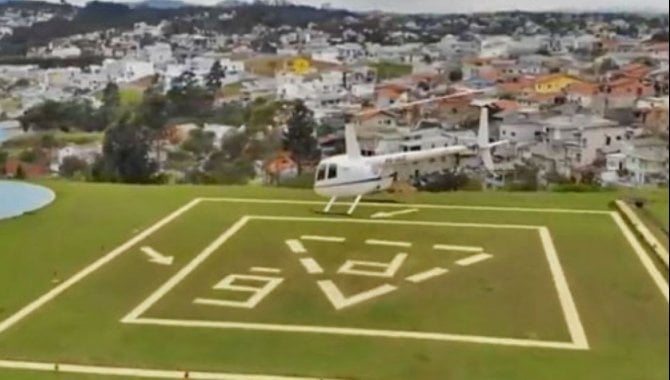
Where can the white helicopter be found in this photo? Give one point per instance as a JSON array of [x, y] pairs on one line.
[[353, 175]]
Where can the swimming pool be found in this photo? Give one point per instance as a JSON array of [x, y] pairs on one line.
[[18, 197]]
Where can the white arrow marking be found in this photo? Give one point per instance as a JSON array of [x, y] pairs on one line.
[[331, 239], [473, 259], [423, 276], [157, 257], [382, 214], [295, 246], [462, 248], [389, 243]]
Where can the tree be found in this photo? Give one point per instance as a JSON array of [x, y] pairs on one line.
[[30, 155], [447, 181], [219, 169], [200, 143], [261, 115], [233, 145], [48, 141], [111, 101], [455, 75], [525, 178], [126, 155], [44, 116], [543, 51], [110, 95], [20, 173], [65, 116], [606, 65], [187, 98], [72, 166], [153, 113], [299, 136], [215, 76]]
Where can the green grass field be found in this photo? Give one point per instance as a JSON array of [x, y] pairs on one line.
[[504, 301], [390, 70]]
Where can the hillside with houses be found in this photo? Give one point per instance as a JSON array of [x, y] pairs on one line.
[[241, 93]]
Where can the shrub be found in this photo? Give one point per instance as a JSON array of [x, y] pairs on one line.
[[302, 181], [577, 188], [72, 166], [29, 155]]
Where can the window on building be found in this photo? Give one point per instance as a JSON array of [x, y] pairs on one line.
[[608, 140], [513, 134], [415, 148]]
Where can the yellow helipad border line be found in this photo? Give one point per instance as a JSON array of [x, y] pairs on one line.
[[403, 205], [646, 261], [140, 372], [575, 328], [97, 264], [642, 229]]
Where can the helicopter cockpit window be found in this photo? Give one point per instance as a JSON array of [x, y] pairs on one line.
[[321, 173], [332, 171]]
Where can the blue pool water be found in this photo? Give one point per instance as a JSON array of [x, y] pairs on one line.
[[17, 198]]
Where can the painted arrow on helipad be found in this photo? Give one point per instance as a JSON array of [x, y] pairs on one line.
[[382, 214], [156, 257]]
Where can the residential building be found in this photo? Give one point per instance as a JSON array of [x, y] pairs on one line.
[[641, 161], [570, 142], [553, 83]]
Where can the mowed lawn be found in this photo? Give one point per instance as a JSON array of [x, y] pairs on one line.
[[509, 295]]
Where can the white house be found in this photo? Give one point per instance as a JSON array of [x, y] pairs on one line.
[[292, 86], [329, 54], [219, 130], [200, 65], [452, 45], [521, 127], [641, 161], [5, 31], [232, 67], [494, 46], [65, 52], [87, 153], [527, 44], [142, 28], [569, 142], [159, 53], [123, 71]]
